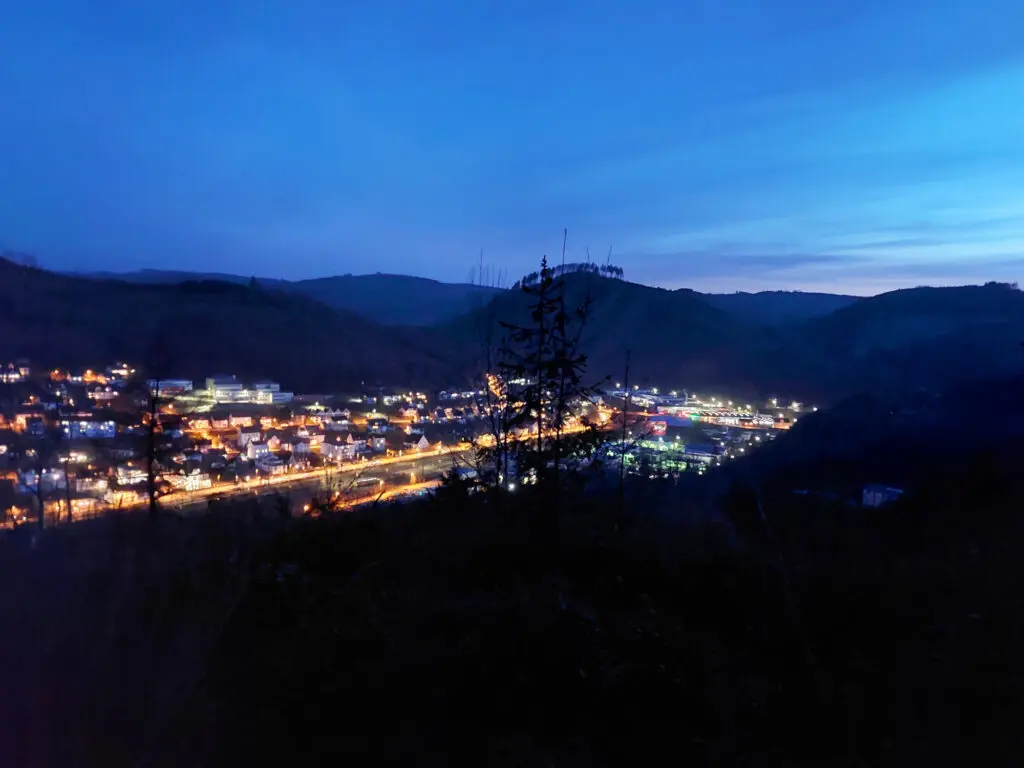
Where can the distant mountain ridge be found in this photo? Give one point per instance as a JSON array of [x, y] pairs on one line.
[[207, 326], [779, 307], [337, 329], [406, 300], [383, 298]]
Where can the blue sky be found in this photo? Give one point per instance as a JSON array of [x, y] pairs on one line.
[[716, 144]]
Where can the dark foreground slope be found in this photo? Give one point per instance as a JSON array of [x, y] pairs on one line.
[[206, 327], [450, 633]]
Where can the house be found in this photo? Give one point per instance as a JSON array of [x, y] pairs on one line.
[[416, 442], [242, 420], [214, 460], [339, 446], [35, 426], [49, 479], [102, 394], [257, 449], [270, 464], [301, 446], [88, 428], [88, 485], [377, 424], [274, 439], [374, 441], [315, 437], [129, 474], [874, 496], [191, 480], [220, 421], [286, 439], [299, 461], [202, 445], [409, 413]]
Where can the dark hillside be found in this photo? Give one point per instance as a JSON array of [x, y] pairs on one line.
[[891, 320], [908, 441], [923, 337], [379, 298], [394, 299], [779, 307], [207, 326], [675, 339]]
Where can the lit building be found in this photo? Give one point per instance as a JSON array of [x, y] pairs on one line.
[[257, 449], [339, 446], [270, 464], [10, 374], [247, 435], [226, 389], [269, 393], [169, 387], [193, 481], [130, 475], [102, 394], [88, 428]]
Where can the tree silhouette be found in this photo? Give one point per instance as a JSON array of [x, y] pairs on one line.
[[543, 369]]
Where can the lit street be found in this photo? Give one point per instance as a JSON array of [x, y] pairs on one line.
[[391, 476]]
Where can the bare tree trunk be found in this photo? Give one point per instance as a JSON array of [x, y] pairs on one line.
[[67, 485], [493, 402], [67, 475], [625, 421], [39, 499], [151, 432]]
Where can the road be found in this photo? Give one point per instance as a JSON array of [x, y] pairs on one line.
[[391, 476], [351, 481]]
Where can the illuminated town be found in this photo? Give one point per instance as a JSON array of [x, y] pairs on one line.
[[78, 439]]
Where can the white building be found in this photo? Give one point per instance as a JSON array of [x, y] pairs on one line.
[[129, 475], [193, 481], [339, 446], [257, 449], [247, 435], [269, 393], [226, 389], [270, 465]]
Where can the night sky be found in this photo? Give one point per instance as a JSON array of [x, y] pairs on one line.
[[849, 146]]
